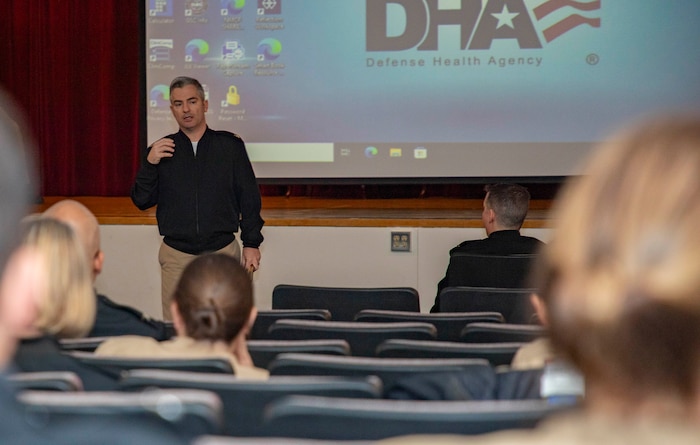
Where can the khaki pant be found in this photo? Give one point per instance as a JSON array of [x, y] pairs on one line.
[[173, 262]]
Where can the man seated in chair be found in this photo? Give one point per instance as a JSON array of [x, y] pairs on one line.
[[505, 208], [111, 318]]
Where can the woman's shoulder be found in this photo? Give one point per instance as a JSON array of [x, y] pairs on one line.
[[126, 344], [251, 372]]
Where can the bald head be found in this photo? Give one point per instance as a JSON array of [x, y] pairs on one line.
[[85, 225]]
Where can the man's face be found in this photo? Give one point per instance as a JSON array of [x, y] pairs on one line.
[[188, 108]]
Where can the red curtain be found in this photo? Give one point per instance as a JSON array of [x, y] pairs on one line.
[[73, 65]]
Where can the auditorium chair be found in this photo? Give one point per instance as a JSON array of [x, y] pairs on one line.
[[363, 338], [496, 353], [228, 440], [513, 304], [387, 369], [344, 302], [449, 325], [84, 344], [266, 318], [244, 401], [188, 413], [115, 365], [503, 383], [332, 418], [45, 381], [264, 351], [501, 333]]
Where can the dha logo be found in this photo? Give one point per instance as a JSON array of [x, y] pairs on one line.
[[499, 19]]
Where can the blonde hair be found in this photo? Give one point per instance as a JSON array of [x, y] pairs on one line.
[[621, 275], [67, 307]]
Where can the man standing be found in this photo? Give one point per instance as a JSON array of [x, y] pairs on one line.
[[205, 189], [505, 208]]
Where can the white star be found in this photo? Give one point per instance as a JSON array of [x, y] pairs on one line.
[[505, 17]]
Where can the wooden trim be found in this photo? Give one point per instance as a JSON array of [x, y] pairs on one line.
[[305, 211]]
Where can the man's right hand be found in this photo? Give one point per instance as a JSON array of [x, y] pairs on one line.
[[162, 148]]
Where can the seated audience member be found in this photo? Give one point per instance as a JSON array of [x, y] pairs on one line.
[[621, 283], [65, 305], [111, 318], [22, 282], [505, 208], [212, 311]]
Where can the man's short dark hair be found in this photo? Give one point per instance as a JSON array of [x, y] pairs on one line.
[[509, 202], [182, 81]]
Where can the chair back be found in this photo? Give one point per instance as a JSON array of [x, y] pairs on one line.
[[449, 325], [266, 318], [500, 333], [496, 353], [264, 351], [363, 338], [507, 271], [513, 304], [244, 401], [189, 413], [344, 302], [114, 366], [389, 370], [227, 440], [327, 418], [85, 344], [45, 381]]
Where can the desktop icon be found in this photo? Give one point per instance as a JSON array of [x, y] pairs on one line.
[[232, 97], [394, 152], [160, 50], [160, 8], [159, 96], [371, 152], [269, 7], [420, 153], [232, 50], [269, 49], [232, 7], [195, 7], [195, 50]]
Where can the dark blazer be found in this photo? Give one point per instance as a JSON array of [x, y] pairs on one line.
[[45, 354], [502, 242], [115, 319]]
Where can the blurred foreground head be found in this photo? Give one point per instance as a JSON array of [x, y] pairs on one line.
[[621, 275], [21, 281], [16, 174]]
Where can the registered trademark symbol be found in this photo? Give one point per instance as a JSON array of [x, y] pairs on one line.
[[592, 59]]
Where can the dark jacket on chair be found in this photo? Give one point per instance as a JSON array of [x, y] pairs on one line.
[[502, 242], [115, 319]]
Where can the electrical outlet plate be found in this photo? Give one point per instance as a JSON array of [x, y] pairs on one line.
[[400, 241]]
